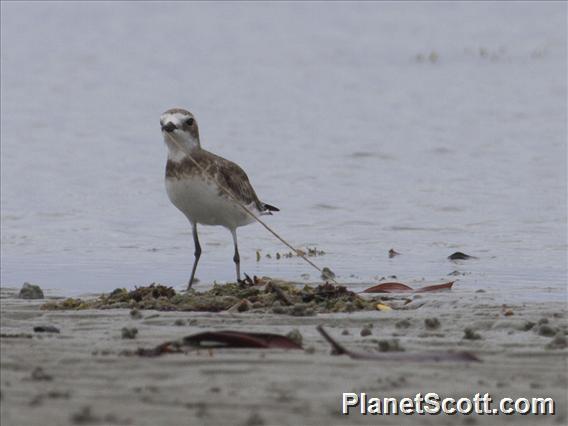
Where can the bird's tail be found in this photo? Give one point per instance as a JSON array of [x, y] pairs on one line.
[[268, 209]]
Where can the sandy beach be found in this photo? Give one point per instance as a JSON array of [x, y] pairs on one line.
[[391, 135], [79, 376]]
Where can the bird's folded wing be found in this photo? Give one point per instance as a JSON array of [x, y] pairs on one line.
[[232, 177]]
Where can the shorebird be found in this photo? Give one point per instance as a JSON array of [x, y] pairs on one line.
[[206, 188]]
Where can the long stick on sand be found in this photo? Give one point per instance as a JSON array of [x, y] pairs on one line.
[[246, 209]]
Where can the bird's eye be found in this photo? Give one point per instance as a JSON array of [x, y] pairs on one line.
[[189, 121]]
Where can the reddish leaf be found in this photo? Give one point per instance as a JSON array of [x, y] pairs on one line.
[[338, 349], [389, 288], [437, 287], [238, 339], [219, 339], [403, 288]]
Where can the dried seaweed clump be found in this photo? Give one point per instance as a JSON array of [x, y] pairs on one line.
[[154, 296], [261, 295]]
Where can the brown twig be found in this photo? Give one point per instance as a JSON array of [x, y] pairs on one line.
[[401, 357]]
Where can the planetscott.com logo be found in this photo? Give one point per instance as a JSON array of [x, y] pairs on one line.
[[432, 403]]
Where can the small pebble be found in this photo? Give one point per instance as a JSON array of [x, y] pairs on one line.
[[402, 324], [179, 322], [432, 323], [30, 291], [528, 325], [365, 331], [390, 346], [345, 332], [295, 336], [469, 334], [393, 253], [279, 310], [559, 342], [39, 375], [46, 329], [301, 310], [129, 333], [546, 330], [458, 255], [135, 314]]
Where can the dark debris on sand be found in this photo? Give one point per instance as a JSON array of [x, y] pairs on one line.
[[31, 291], [258, 295]]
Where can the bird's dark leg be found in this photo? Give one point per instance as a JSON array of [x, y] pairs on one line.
[[197, 253], [236, 257]]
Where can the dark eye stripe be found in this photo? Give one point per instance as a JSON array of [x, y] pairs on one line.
[[189, 121]]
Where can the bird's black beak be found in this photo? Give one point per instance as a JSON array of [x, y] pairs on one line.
[[168, 127]]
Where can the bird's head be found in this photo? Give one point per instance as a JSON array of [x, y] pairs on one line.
[[180, 130]]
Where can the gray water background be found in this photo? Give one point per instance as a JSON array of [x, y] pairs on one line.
[[424, 127]]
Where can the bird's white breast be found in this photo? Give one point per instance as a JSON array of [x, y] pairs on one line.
[[201, 201]]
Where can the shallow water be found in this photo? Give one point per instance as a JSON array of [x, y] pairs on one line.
[[428, 128]]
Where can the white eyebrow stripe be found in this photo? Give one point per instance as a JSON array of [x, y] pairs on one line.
[[176, 118]]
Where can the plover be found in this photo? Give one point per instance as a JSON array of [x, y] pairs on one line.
[[197, 182]]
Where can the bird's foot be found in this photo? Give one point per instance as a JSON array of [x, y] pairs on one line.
[[248, 281], [191, 282]]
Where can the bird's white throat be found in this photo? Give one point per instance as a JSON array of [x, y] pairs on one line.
[[180, 145]]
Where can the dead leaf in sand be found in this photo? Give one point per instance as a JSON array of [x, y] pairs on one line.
[[239, 339], [403, 288], [338, 349], [220, 339], [435, 287], [389, 288]]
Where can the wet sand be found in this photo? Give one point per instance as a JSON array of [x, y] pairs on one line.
[[83, 378]]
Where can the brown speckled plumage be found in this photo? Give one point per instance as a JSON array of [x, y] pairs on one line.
[[218, 169]]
